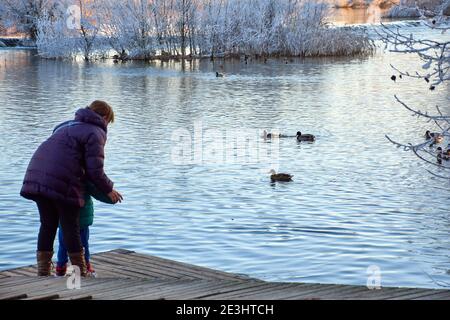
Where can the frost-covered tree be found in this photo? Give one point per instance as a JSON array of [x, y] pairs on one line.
[[23, 15], [135, 20], [143, 29], [59, 37], [53, 38], [435, 72]]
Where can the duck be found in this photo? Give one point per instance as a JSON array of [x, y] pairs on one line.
[[305, 137], [219, 75], [283, 177], [438, 138], [439, 158], [446, 155]]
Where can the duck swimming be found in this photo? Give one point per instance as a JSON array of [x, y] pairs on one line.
[[429, 135], [305, 137], [283, 177], [437, 137], [447, 155], [439, 157]]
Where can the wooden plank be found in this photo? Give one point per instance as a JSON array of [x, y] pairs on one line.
[[163, 270], [13, 269], [384, 293], [215, 286], [186, 267], [87, 297], [226, 291], [19, 272], [15, 297], [135, 269], [105, 271], [107, 291], [48, 286], [276, 292], [350, 292], [200, 269], [175, 289], [333, 292], [87, 287], [9, 273], [12, 281], [203, 286], [133, 290], [98, 288], [145, 265], [195, 286], [128, 275], [32, 269], [39, 283], [44, 297], [438, 296], [251, 290], [164, 286], [338, 292], [116, 269], [110, 270], [269, 293], [302, 293], [248, 291], [122, 251], [143, 292], [422, 293]]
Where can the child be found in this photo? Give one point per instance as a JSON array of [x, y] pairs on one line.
[[86, 220]]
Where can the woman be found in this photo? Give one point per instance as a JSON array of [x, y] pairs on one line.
[[57, 175]]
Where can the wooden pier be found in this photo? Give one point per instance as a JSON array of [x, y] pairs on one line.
[[126, 275]]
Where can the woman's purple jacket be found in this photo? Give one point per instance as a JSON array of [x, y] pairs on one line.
[[62, 164]]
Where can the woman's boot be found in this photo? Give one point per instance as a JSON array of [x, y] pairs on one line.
[[77, 259], [44, 263]]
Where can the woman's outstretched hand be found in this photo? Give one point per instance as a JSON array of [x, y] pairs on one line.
[[115, 196]]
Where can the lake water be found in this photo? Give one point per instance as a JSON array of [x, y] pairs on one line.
[[349, 16], [355, 201]]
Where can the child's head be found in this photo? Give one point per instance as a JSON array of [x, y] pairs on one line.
[[447, 152], [103, 109]]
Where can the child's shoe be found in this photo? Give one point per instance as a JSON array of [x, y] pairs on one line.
[[61, 270]]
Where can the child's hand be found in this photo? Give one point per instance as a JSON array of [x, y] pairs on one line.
[[115, 196]]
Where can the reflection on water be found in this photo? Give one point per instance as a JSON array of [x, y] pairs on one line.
[[355, 201]]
